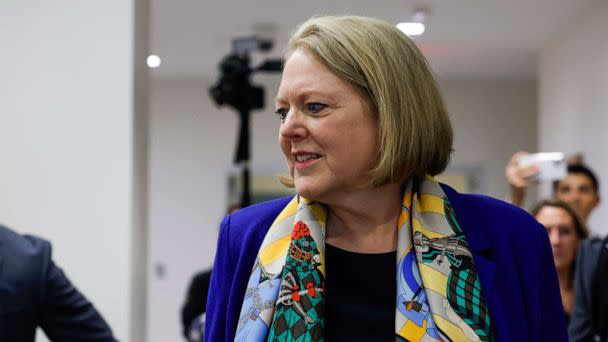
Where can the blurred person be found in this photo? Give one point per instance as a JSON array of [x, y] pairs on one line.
[[34, 293], [193, 310], [565, 232], [372, 248], [579, 189], [589, 319]]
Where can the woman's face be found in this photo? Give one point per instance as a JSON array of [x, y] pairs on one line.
[[328, 135], [562, 234]]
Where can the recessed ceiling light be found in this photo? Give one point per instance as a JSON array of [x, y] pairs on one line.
[[411, 29], [415, 26], [153, 61]]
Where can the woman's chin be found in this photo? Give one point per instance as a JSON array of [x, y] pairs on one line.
[[307, 191], [561, 265]]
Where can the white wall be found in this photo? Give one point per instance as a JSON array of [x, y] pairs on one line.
[[66, 141], [139, 186], [492, 120], [573, 101], [191, 151]]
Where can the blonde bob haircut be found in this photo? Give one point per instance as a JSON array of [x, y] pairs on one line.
[[415, 133]]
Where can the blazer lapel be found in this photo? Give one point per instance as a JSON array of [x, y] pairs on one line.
[[481, 248], [480, 245]]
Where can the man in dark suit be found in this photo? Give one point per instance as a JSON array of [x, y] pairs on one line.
[[34, 292], [588, 322]]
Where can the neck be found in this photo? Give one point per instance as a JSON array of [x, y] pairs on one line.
[[565, 288], [365, 221], [565, 278]]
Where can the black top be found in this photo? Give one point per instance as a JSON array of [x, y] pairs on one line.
[[361, 291]]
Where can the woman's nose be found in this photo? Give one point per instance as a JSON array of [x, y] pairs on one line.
[[569, 198], [554, 237], [293, 127]]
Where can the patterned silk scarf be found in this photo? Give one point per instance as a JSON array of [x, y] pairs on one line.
[[438, 296]]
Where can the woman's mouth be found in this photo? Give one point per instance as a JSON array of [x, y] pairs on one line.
[[305, 160]]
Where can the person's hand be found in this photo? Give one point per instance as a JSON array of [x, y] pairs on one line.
[[519, 177]]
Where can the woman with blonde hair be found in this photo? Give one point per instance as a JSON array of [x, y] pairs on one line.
[[372, 248]]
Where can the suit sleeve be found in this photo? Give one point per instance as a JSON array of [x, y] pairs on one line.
[[581, 327], [219, 287], [66, 315]]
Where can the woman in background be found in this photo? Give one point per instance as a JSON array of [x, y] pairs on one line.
[[565, 231]]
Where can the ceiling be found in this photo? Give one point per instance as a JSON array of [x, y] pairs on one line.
[[464, 39]]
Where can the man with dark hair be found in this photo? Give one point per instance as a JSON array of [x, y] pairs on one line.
[[579, 189], [34, 293], [589, 319]]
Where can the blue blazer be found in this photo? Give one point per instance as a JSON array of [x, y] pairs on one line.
[[34, 292], [510, 249]]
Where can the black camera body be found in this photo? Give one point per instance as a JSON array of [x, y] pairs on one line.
[[234, 87]]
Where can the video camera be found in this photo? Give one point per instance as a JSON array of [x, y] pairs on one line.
[[234, 87]]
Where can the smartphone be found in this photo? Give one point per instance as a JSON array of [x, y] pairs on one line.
[[551, 165]]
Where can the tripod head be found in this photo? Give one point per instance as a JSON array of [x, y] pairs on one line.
[[234, 87]]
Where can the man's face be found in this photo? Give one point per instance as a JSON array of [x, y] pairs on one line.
[[577, 190]]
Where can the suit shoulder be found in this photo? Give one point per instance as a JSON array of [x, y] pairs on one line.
[[494, 205], [23, 245], [518, 220], [500, 219], [25, 261], [247, 227], [257, 218], [590, 249]]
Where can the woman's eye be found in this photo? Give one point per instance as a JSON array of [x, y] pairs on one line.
[[315, 107], [565, 231], [281, 113]]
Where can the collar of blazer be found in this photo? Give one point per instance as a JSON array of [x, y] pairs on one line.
[[477, 228]]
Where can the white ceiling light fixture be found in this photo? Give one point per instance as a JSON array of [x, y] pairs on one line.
[[415, 27], [153, 61], [411, 29]]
